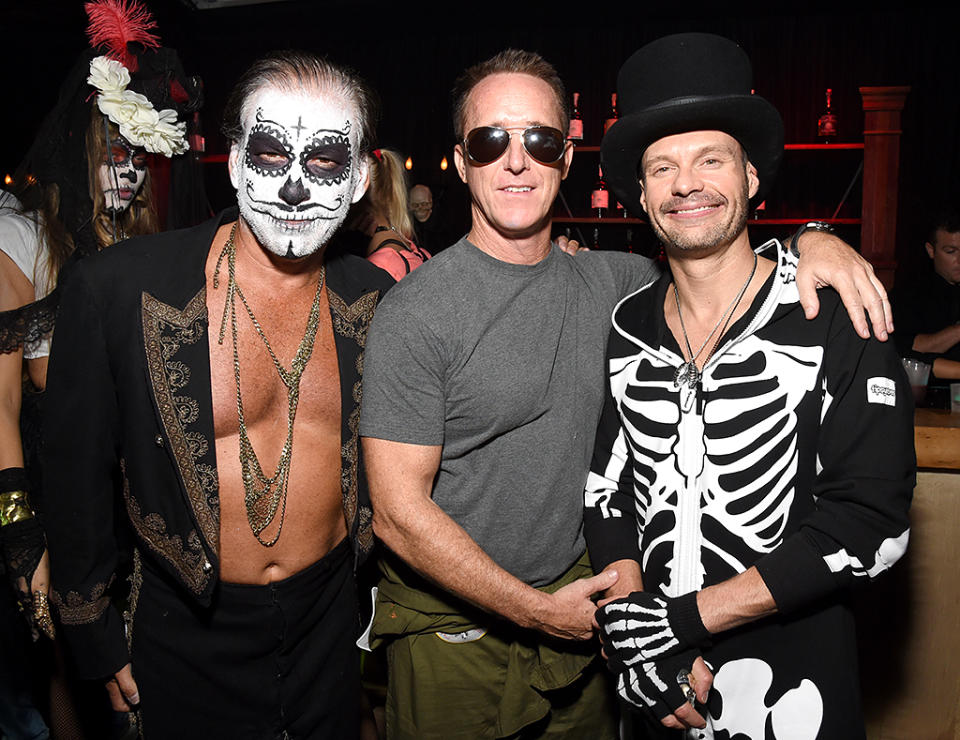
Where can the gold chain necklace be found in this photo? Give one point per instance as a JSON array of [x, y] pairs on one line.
[[263, 495]]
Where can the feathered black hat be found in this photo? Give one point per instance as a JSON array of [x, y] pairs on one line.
[[120, 31]]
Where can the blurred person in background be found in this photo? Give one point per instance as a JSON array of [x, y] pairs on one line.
[[928, 305], [386, 218]]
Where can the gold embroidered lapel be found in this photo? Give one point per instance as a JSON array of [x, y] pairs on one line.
[[167, 330]]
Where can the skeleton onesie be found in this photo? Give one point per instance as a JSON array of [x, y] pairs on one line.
[[795, 454]]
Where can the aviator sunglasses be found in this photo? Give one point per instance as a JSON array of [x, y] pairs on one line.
[[488, 143]]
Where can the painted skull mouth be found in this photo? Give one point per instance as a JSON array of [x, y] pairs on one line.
[[302, 212], [295, 225], [293, 221]]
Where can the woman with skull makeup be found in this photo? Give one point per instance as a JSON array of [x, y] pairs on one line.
[[83, 186]]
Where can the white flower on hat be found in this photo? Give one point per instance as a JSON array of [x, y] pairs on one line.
[[126, 107], [133, 113], [108, 75], [165, 136]]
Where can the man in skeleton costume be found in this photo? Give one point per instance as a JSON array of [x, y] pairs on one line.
[[481, 392], [749, 464], [171, 378]]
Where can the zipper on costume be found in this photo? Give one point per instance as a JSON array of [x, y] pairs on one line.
[[690, 537]]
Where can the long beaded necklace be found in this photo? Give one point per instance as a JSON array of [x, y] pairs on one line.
[[263, 495], [688, 375]]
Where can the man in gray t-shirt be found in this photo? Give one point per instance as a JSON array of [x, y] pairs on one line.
[[482, 388], [500, 366]]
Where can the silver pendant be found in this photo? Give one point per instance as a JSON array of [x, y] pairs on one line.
[[687, 375]]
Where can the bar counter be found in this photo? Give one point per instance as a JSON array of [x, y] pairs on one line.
[[909, 622]]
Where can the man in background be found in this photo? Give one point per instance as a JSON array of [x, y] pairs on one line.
[[928, 307]]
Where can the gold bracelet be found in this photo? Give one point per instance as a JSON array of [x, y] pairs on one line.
[[14, 507]]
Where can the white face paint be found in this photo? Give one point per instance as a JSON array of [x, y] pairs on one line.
[[296, 168], [122, 175]]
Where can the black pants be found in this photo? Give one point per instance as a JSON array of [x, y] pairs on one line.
[[262, 663]]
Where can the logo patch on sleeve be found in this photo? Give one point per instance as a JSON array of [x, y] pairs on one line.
[[881, 390]]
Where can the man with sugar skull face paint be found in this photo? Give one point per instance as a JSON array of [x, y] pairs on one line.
[[223, 362], [296, 170]]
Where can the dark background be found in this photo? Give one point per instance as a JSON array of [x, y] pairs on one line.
[[412, 53]]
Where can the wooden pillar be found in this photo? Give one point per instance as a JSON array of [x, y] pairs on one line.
[[881, 170]]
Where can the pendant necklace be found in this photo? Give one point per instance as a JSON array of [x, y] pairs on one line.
[[688, 375], [264, 495]]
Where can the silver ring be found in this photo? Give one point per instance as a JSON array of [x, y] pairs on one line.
[[683, 681]]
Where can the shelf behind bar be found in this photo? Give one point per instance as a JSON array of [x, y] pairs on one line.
[[799, 221], [613, 221], [788, 147], [821, 147]]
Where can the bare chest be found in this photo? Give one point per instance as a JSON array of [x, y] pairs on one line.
[[269, 391], [285, 420]]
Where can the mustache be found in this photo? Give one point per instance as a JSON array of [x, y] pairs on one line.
[[302, 208]]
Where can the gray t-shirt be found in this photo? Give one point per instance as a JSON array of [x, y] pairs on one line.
[[502, 365]]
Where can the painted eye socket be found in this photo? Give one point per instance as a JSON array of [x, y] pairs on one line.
[[118, 154], [122, 153], [266, 151], [327, 161]]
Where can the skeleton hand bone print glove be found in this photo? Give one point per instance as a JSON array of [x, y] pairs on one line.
[[654, 686], [645, 626]]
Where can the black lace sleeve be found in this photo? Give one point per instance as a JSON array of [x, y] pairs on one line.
[[28, 324]]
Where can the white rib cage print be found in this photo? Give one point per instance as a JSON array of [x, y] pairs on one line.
[[732, 468]]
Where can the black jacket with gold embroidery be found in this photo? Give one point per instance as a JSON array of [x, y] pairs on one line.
[[129, 387]]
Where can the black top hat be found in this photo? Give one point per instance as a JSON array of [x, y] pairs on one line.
[[688, 82]]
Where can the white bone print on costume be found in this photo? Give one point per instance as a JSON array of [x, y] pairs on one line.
[[743, 686], [738, 473]]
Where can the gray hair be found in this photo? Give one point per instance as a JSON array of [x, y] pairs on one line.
[[296, 70]]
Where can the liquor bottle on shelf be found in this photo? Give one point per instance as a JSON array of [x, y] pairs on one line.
[[759, 210], [596, 239], [576, 121], [827, 123], [629, 245], [612, 116], [620, 210], [600, 196]]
